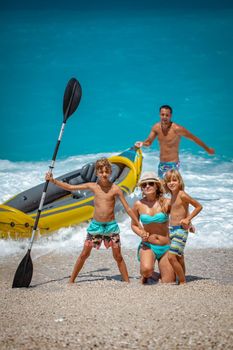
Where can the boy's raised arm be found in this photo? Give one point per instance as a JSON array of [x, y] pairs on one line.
[[66, 186]]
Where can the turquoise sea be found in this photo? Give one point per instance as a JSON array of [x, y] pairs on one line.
[[130, 58]]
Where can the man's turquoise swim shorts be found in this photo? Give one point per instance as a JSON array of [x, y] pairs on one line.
[[163, 167]]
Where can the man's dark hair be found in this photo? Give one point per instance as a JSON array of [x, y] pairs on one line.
[[166, 107]]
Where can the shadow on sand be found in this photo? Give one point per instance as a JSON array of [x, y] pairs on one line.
[[81, 275], [91, 276]]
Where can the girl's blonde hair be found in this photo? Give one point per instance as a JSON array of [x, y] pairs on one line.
[[169, 175]]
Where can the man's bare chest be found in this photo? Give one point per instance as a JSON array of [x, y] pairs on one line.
[[168, 138]]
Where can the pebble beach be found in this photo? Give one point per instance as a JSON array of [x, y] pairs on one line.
[[100, 311]]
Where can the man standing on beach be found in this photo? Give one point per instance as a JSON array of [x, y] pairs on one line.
[[169, 135]]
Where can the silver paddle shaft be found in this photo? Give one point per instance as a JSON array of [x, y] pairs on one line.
[[45, 187]]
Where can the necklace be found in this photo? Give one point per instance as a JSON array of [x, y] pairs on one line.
[[166, 129]]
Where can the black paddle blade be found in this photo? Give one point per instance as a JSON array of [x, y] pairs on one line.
[[72, 97], [23, 274]]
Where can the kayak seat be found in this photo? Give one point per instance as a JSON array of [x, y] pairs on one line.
[[115, 172], [76, 180], [123, 175], [88, 173]]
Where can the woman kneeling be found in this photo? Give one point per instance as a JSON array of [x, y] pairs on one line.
[[153, 210]]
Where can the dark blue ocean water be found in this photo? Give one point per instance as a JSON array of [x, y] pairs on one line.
[[130, 58]]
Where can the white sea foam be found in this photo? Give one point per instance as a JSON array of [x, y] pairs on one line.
[[210, 180]]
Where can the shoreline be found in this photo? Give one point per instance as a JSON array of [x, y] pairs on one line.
[[101, 312]]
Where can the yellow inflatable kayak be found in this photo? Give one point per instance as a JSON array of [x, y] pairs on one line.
[[62, 208]]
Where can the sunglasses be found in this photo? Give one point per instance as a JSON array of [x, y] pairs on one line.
[[150, 183]]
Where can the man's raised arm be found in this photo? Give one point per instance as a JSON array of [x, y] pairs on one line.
[[149, 139], [184, 132]]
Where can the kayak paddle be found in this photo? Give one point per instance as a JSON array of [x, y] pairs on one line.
[[71, 99]]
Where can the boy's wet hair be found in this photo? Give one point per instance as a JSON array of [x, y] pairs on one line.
[[168, 176], [166, 107], [101, 163]]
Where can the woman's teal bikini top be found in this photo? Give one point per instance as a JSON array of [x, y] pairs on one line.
[[157, 218]]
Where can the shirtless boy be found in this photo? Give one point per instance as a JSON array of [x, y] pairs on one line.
[[103, 227], [180, 220]]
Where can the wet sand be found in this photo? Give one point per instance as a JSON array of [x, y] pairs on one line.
[[101, 312]]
